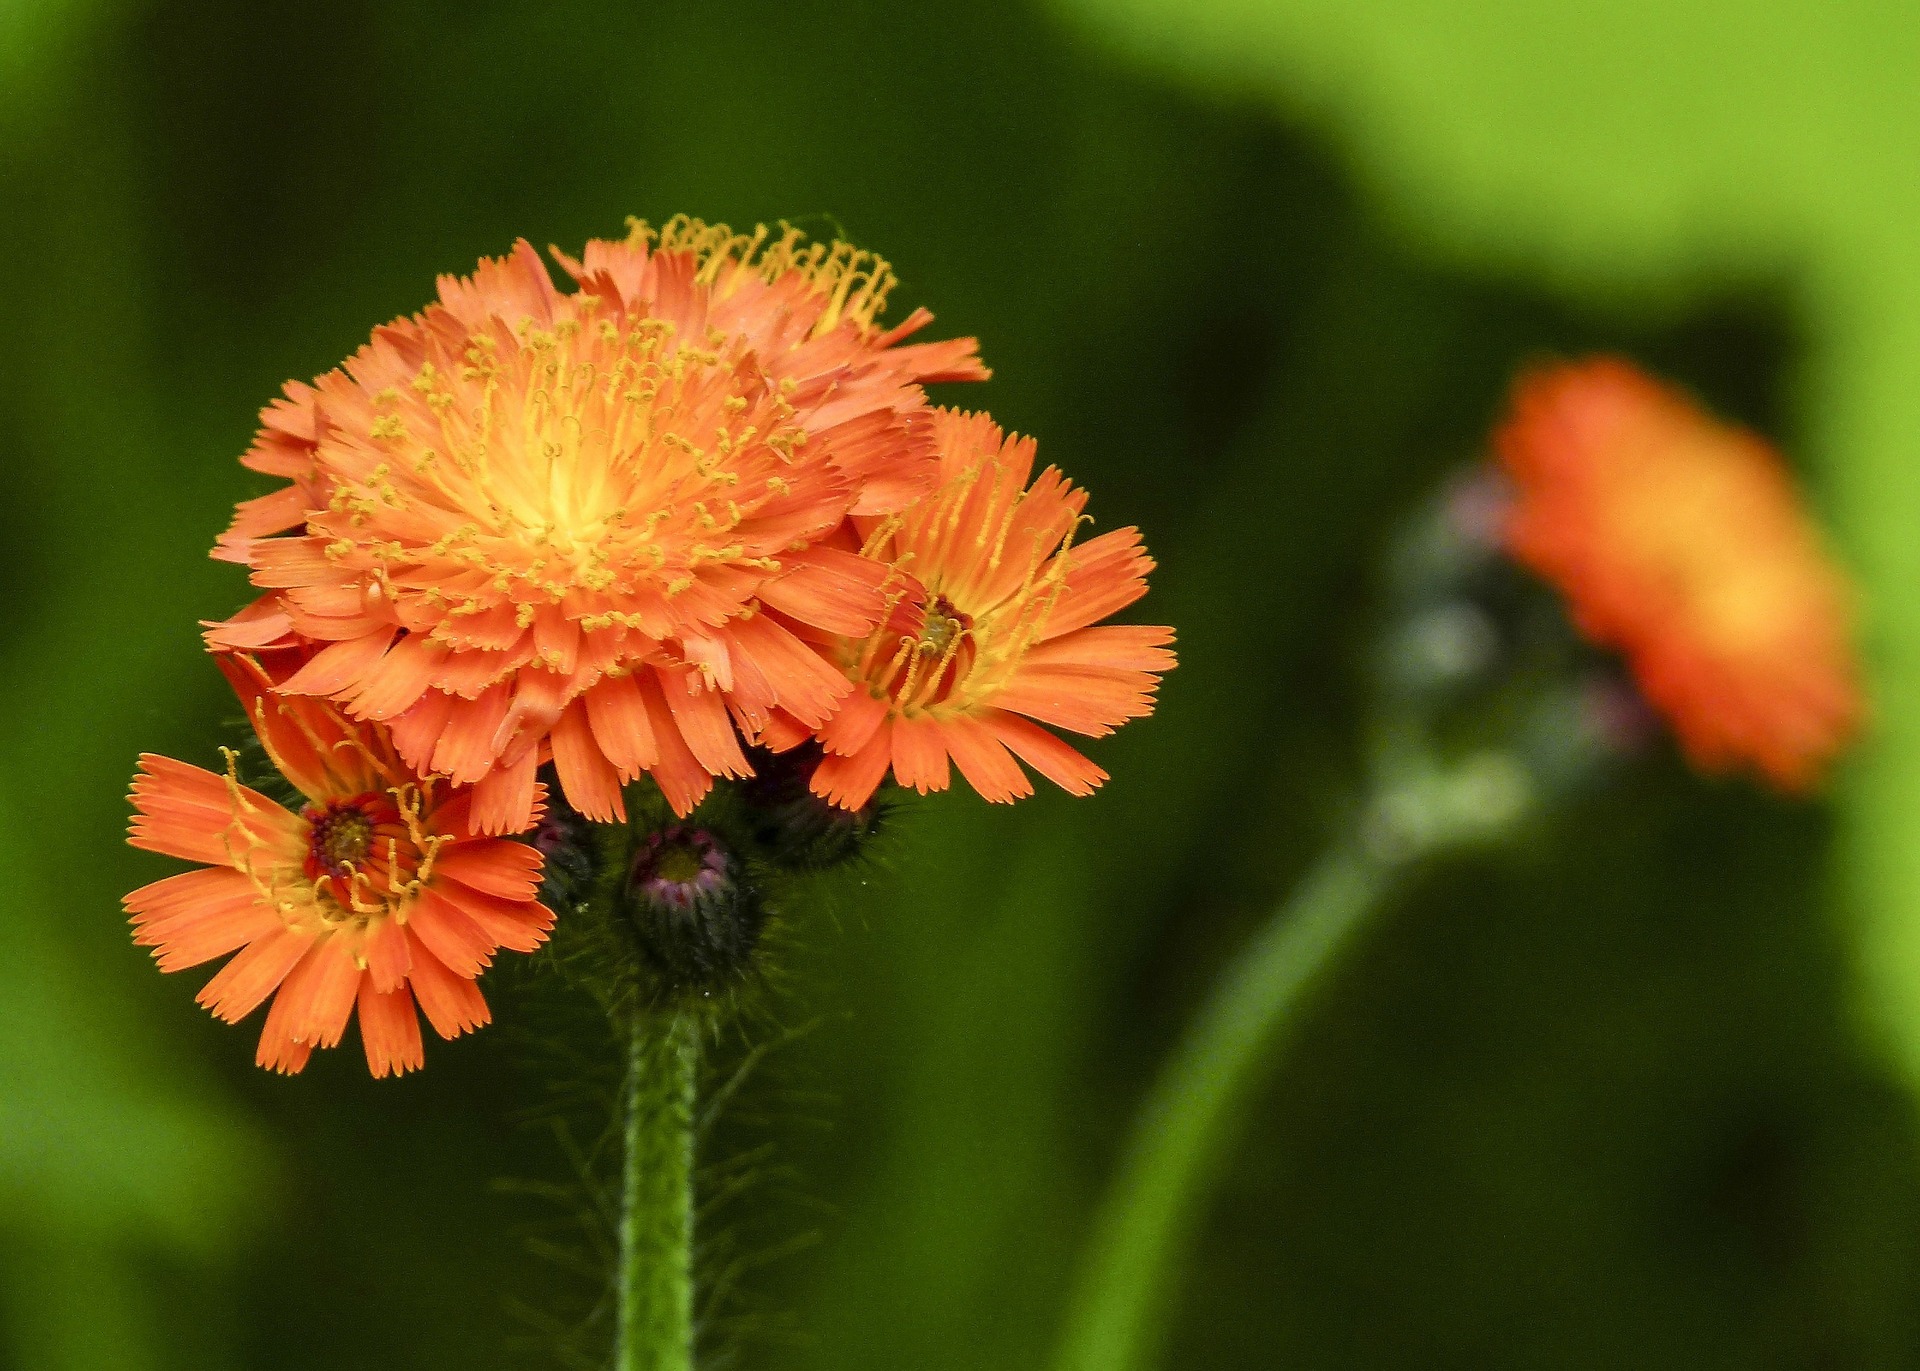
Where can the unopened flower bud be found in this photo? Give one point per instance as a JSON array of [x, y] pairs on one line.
[[695, 912], [1444, 648], [800, 830], [566, 839]]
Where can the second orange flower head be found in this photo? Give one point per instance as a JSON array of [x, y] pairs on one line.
[[374, 895]]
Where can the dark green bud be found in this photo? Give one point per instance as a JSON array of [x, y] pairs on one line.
[[797, 829]]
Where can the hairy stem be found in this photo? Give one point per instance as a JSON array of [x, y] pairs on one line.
[[1185, 1129], [655, 1294]]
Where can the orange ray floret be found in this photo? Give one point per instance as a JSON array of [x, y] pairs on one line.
[[376, 895], [995, 631], [1680, 541], [530, 523]]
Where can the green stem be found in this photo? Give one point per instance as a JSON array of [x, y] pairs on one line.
[[655, 1309], [1145, 1227]]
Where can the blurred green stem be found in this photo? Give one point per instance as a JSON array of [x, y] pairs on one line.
[[655, 1310], [1142, 1234]]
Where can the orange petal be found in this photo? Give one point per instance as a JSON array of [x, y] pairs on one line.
[[336, 986], [239, 986], [417, 732], [802, 682], [783, 732], [265, 515], [517, 925], [1045, 753], [312, 1005], [388, 959], [1124, 647], [591, 783], [919, 755], [457, 941], [494, 865], [279, 1050], [504, 800], [850, 730], [850, 781], [538, 698], [398, 679], [1106, 574], [390, 1031], [281, 563], [453, 1004], [678, 773], [465, 751], [704, 722], [339, 665], [840, 592], [983, 759], [1089, 700], [261, 624], [193, 918], [619, 718], [301, 736], [183, 811]]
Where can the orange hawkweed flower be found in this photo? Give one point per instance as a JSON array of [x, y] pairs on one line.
[[997, 628], [1680, 541], [529, 523], [377, 894]]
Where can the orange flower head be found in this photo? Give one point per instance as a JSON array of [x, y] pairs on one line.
[[996, 626], [1681, 542], [528, 523], [376, 894]]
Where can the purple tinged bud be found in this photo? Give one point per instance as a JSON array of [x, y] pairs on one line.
[[692, 907], [1616, 716], [1475, 507]]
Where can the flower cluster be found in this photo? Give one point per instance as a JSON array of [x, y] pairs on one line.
[[694, 509]]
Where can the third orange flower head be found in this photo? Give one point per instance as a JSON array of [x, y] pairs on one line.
[[995, 630], [1680, 541]]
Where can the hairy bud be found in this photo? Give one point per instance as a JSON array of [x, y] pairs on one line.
[[566, 839], [798, 829], [696, 914]]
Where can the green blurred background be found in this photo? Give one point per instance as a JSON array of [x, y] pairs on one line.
[[1634, 1093]]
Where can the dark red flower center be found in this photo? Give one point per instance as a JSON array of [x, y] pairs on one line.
[[943, 623], [341, 834]]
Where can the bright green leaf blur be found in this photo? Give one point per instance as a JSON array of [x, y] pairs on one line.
[[1655, 151]]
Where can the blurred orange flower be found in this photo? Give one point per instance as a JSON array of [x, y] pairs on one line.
[[995, 624], [1680, 541], [529, 523], [376, 895]]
